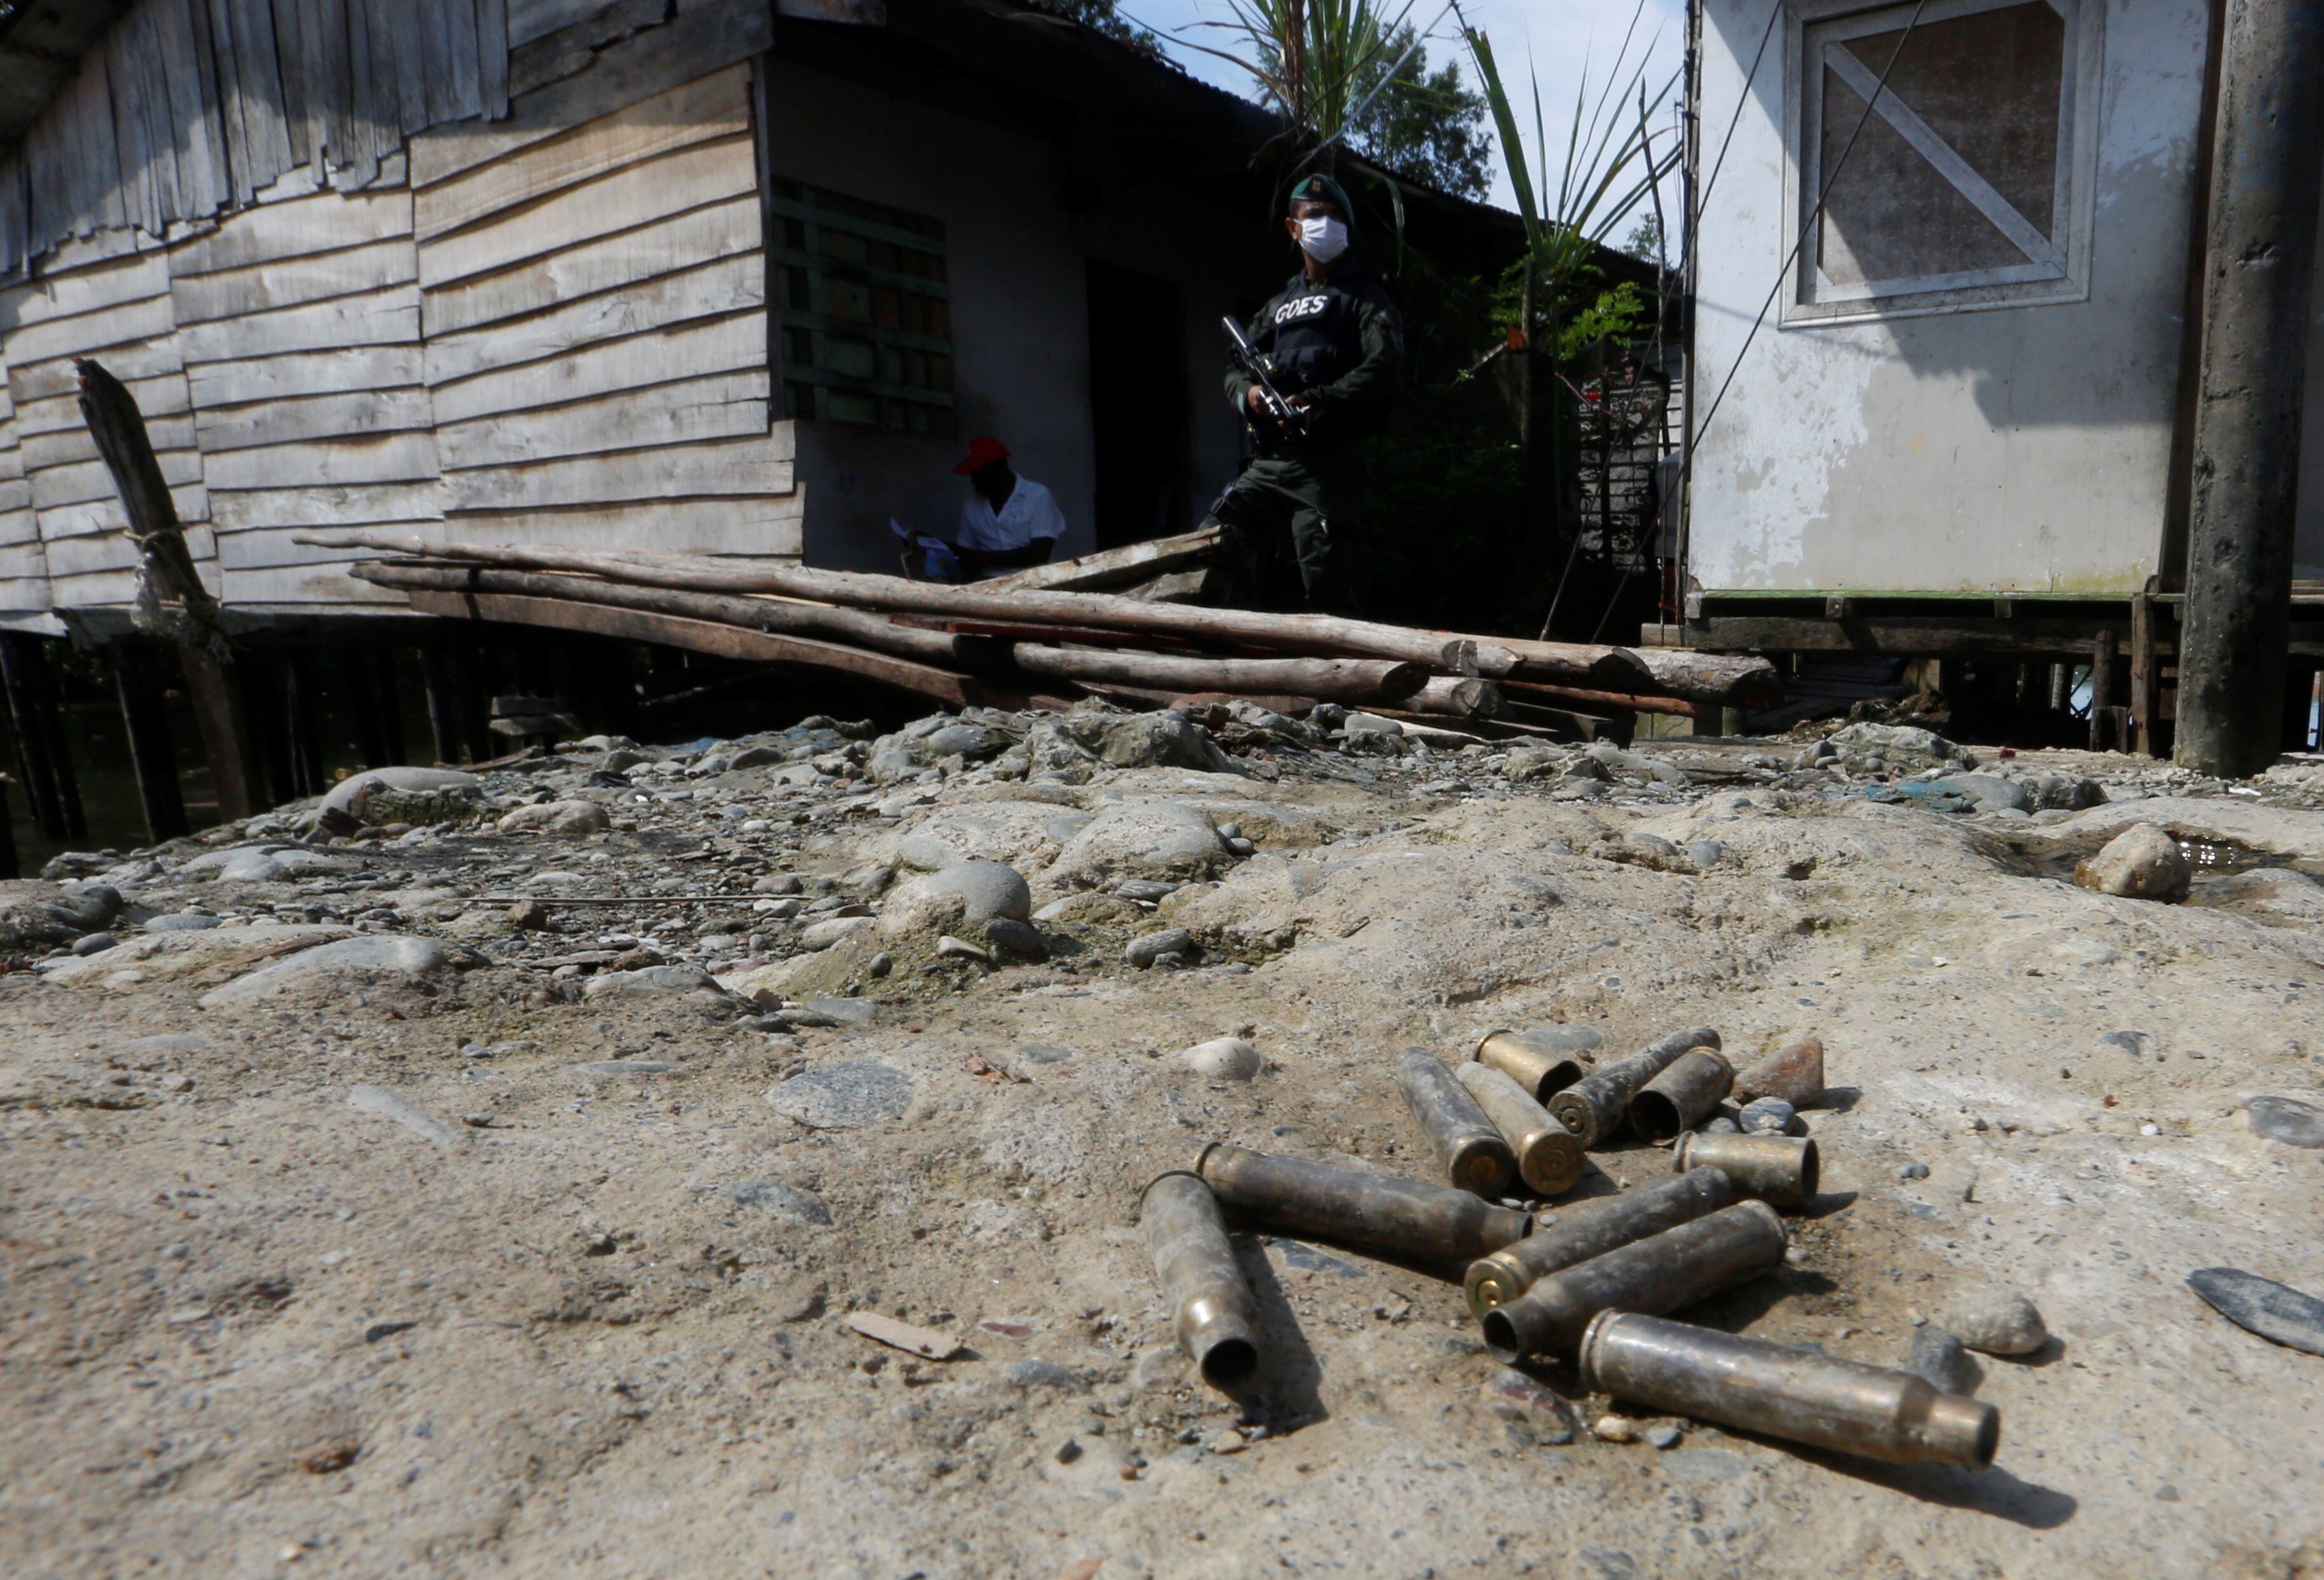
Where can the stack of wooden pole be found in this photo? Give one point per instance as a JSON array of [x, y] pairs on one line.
[[1041, 639]]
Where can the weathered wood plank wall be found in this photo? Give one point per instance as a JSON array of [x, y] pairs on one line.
[[594, 376], [107, 297], [23, 562], [342, 292], [300, 324]]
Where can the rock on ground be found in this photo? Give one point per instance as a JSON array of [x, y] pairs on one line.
[[2141, 863]]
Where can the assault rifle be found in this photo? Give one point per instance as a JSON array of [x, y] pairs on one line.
[[1285, 416]]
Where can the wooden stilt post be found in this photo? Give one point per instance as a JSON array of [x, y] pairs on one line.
[[137, 677], [439, 679], [475, 693], [299, 718], [2101, 689], [2145, 676], [363, 697], [170, 598], [9, 867], [391, 705], [20, 667], [261, 688]]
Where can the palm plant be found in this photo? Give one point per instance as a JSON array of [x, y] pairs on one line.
[[1609, 168], [1319, 62]]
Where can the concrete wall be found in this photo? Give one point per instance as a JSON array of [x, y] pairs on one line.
[[1017, 257], [2307, 551], [2009, 448]]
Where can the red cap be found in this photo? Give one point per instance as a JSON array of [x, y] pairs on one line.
[[981, 453]]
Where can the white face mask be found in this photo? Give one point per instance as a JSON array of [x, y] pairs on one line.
[[1322, 239]]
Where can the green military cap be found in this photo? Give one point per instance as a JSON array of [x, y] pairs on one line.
[[1325, 189]]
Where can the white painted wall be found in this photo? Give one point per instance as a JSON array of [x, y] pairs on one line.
[[1017, 258], [2014, 448]]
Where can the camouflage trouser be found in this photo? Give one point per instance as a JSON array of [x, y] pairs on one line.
[[1311, 506]]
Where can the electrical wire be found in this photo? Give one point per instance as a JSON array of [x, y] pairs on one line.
[[1791, 258]]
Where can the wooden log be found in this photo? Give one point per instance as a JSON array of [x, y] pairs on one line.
[[1730, 680], [922, 680], [1573, 696], [1326, 635], [171, 600], [1348, 680], [1112, 567], [1358, 681], [816, 621], [1452, 697]]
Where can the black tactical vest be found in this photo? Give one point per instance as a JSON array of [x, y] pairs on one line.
[[1310, 331]]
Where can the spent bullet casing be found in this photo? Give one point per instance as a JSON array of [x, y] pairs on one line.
[[1661, 1273], [1593, 1107], [1548, 1158], [1372, 1212], [1211, 1302], [1781, 1169], [1542, 1070], [1475, 1156], [1682, 1096], [1576, 1233], [1785, 1392]]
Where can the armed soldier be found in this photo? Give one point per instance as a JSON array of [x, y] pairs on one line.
[[1317, 378]]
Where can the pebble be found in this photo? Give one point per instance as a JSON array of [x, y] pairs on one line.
[[1664, 1435], [1766, 1116], [182, 921], [94, 943], [1914, 1171], [2276, 1312], [1145, 951], [2286, 1120], [963, 949], [1943, 1360], [1015, 936], [1614, 1430], [784, 1203], [2141, 863], [1224, 1059], [1034, 1372], [1997, 1322], [839, 1097]]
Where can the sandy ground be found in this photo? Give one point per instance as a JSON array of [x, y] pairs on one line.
[[577, 1321]]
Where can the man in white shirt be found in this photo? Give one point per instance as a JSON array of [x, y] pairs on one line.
[[1008, 520]]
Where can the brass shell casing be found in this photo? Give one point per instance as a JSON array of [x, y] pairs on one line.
[[1681, 1097], [1211, 1302], [1543, 1072], [1576, 1233], [1370, 1212], [1660, 1273], [1593, 1107], [1548, 1158], [1794, 1394], [1475, 1156], [1780, 1170]]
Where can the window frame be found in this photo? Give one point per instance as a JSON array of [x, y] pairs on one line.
[[1809, 300], [820, 381]]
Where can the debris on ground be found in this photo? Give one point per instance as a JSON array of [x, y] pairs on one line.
[[466, 1182]]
